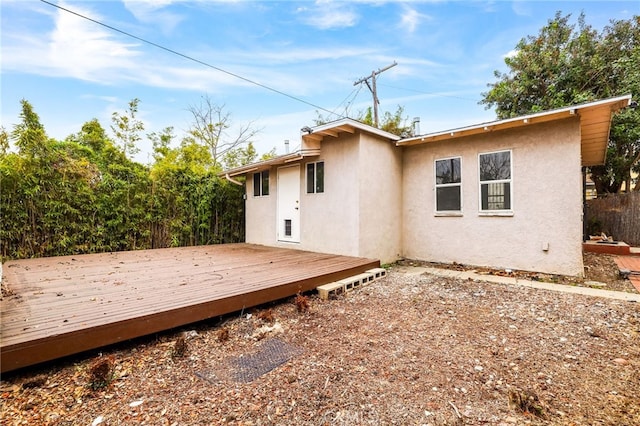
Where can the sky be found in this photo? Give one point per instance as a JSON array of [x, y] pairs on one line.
[[273, 65]]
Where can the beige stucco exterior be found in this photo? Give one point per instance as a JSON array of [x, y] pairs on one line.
[[546, 203], [379, 191], [362, 173]]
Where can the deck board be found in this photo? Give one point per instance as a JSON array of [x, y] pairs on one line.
[[70, 304]]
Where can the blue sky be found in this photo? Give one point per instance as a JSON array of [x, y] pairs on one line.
[[73, 70]]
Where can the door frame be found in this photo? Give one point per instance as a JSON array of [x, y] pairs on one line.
[[288, 213]]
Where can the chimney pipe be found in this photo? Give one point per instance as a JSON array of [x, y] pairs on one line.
[[286, 146], [415, 126]]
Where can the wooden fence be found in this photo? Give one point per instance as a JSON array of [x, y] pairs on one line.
[[617, 215]]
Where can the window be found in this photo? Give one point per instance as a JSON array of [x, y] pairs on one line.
[[261, 184], [315, 177], [495, 181], [448, 185]]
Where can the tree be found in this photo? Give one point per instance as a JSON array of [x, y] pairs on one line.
[[29, 134], [83, 195], [126, 128], [240, 156], [4, 141], [210, 127], [161, 142], [91, 135], [393, 123], [567, 64]]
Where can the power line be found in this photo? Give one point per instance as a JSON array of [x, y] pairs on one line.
[[346, 101], [190, 58]]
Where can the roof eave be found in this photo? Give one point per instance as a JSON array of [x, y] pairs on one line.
[[595, 121], [266, 164], [348, 125]]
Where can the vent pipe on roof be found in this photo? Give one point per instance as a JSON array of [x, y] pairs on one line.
[[415, 126], [286, 146]]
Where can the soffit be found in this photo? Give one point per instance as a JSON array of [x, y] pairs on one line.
[[595, 123], [267, 164], [346, 125]]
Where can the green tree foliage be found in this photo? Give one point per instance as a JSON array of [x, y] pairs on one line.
[[568, 64], [83, 195], [190, 205], [390, 122], [393, 123], [46, 193], [4, 140], [126, 127], [240, 156]]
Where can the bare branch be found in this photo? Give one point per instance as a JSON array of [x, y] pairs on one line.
[[210, 128]]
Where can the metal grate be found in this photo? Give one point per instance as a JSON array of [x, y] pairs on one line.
[[246, 368]]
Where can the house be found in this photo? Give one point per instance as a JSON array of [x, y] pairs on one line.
[[504, 194]]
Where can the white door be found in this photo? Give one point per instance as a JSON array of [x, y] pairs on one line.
[[289, 204]]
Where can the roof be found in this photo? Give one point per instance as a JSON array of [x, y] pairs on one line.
[[347, 125], [266, 164], [310, 137], [595, 123]]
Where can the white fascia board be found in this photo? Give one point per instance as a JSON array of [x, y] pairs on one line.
[[523, 119]]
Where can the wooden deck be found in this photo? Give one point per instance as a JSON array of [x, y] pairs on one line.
[[66, 305]]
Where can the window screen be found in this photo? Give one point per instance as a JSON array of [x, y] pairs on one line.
[[315, 177], [261, 183], [448, 184], [495, 181]]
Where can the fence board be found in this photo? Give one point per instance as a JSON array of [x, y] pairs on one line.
[[617, 215]]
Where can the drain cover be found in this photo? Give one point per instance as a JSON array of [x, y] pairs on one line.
[[246, 368]]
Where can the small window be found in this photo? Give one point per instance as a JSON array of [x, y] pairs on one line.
[[495, 181], [448, 185], [315, 177], [261, 184]]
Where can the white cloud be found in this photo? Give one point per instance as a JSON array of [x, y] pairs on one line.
[[511, 54], [521, 8], [411, 19], [151, 12], [75, 48], [326, 15]]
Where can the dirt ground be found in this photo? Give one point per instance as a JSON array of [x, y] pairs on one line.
[[600, 271], [405, 350]]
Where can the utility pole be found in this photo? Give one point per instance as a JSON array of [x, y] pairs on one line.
[[374, 91]]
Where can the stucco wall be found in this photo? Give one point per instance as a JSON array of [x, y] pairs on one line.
[[547, 202], [260, 213], [329, 220], [380, 181]]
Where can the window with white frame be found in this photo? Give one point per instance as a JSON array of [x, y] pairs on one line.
[[448, 185], [261, 184], [495, 181], [315, 177]]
